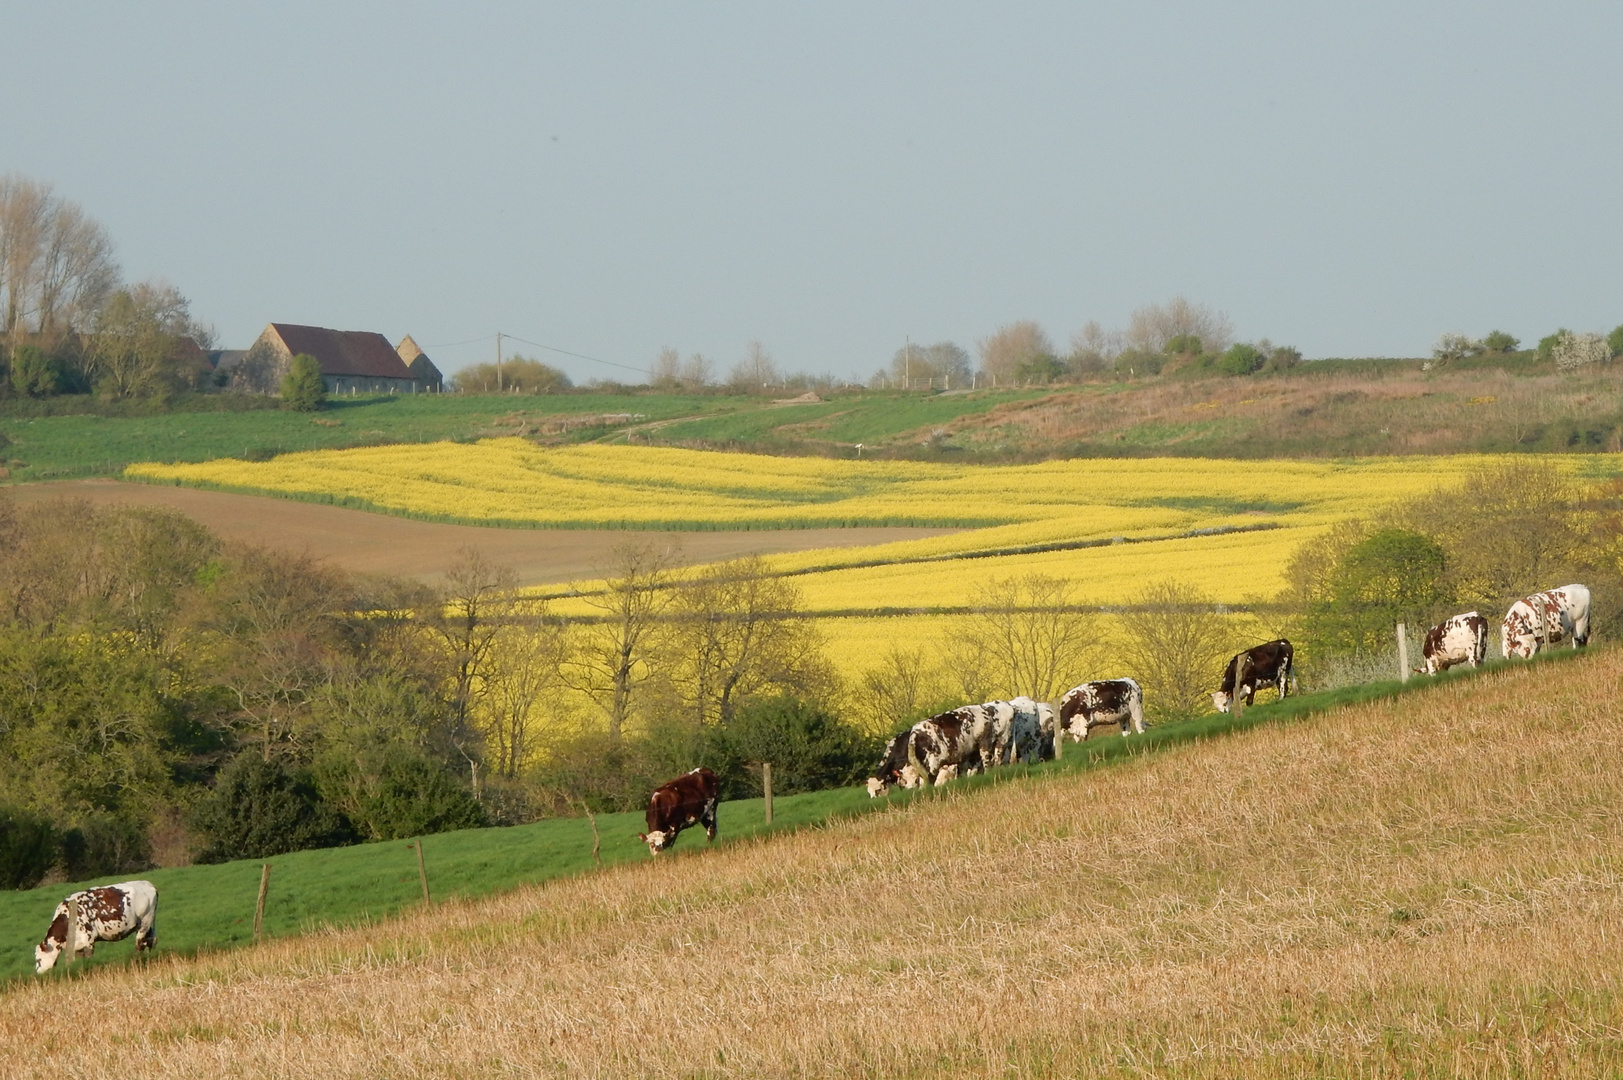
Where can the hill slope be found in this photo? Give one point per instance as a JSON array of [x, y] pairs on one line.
[[1426, 885]]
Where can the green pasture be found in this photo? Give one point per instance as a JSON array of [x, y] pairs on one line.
[[871, 418], [58, 447], [211, 907]]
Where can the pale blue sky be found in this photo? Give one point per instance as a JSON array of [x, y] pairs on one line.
[[831, 178]]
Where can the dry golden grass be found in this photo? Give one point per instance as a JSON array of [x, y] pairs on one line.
[[1423, 887]]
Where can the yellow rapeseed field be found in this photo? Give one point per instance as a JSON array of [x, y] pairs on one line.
[[1151, 504]]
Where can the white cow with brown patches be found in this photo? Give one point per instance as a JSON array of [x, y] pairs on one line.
[[1545, 618], [107, 913]]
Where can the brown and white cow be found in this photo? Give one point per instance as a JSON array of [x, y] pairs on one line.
[[962, 740], [1032, 730], [895, 767], [1462, 639], [1268, 664], [107, 913], [1106, 701], [1544, 619], [690, 799]]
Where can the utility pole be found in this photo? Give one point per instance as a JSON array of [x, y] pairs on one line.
[[498, 361]]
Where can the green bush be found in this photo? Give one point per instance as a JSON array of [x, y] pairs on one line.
[[1184, 345], [27, 848], [104, 844], [396, 791], [34, 374], [1240, 359], [260, 808], [1498, 341], [1393, 576], [1135, 364], [302, 388], [1546, 345], [810, 749], [1614, 342]]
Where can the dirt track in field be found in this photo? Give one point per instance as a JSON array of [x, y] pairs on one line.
[[378, 543]]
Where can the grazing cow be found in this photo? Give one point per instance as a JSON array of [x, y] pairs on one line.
[[1104, 702], [894, 767], [1543, 619], [1462, 639], [1033, 730], [1265, 665], [1000, 720], [690, 799], [108, 913]]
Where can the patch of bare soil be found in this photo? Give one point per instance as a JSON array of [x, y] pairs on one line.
[[376, 543]]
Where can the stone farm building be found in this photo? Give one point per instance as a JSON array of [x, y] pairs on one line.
[[352, 361]]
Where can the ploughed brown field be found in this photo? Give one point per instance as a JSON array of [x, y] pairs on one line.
[[1427, 886], [379, 544]]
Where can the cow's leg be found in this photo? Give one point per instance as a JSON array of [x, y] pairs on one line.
[[710, 822]]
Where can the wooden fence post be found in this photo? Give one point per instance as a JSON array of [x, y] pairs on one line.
[[1403, 652], [422, 872], [1059, 738], [259, 904], [766, 787], [70, 942]]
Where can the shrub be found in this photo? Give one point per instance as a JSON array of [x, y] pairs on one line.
[[1240, 359], [810, 748], [104, 844], [260, 808], [396, 791], [1391, 576], [1135, 363], [1500, 342], [35, 374], [302, 388], [1184, 345], [1614, 342], [1573, 351], [27, 848]]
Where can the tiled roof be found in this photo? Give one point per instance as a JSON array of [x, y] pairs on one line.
[[344, 352]]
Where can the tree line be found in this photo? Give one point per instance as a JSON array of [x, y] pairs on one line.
[[69, 323], [168, 696]]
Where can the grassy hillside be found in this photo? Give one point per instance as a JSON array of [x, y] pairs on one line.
[[1417, 886], [58, 446], [211, 907], [1322, 409]]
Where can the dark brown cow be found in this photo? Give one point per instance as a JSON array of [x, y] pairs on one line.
[[1265, 665], [690, 799]]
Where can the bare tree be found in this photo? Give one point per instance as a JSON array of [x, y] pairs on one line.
[[1093, 349], [611, 660], [1030, 636], [756, 372], [138, 348], [943, 362], [529, 664], [737, 632], [475, 599], [56, 263], [1176, 645], [1150, 328], [76, 271], [665, 373], [1013, 347]]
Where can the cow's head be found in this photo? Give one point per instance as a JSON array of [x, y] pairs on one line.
[[46, 952], [876, 787], [657, 841], [1221, 700]]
